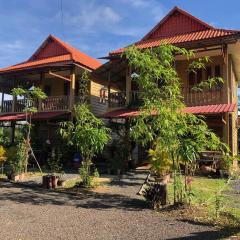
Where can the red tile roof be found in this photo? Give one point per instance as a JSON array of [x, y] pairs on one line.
[[184, 38], [208, 109], [36, 116], [179, 27], [54, 50]]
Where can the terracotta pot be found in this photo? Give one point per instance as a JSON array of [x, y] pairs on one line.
[[49, 182], [15, 177], [163, 179], [44, 181], [54, 181]]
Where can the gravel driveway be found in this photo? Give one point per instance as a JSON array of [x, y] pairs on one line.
[[114, 212]]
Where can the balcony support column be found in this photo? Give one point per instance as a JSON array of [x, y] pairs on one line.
[[226, 129], [128, 84], [14, 103], [72, 90], [225, 74], [2, 101]]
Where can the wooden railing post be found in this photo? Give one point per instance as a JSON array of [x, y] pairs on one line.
[[72, 89], [14, 103]]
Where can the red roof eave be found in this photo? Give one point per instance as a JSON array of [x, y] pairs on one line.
[[207, 109], [36, 116]]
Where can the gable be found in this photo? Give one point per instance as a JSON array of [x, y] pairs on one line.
[[50, 48], [177, 22]]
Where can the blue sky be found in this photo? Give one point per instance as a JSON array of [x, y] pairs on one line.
[[95, 26]]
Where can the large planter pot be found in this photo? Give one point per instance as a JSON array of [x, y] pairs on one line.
[[54, 181], [15, 177], [49, 182], [163, 179]]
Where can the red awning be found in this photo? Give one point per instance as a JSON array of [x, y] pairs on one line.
[[208, 109], [36, 116]]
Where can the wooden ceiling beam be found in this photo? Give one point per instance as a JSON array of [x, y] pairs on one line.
[[59, 76]]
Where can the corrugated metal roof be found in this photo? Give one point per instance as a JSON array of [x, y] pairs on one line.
[[54, 50], [208, 109], [36, 116]]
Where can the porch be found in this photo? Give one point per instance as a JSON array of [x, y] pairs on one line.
[[50, 104]]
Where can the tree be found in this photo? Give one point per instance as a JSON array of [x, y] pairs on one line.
[[31, 95], [87, 134], [162, 121]]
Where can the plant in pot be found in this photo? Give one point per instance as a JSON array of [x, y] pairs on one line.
[[55, 166], [161, 163]]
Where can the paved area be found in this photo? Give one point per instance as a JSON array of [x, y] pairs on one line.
[[113, 212]]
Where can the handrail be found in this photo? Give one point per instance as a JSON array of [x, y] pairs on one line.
[[51, 103]]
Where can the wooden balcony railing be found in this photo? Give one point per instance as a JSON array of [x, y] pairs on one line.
[[191, 98], [117, 99], [52, 103], [204, 97]]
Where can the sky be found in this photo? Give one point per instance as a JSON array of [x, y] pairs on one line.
[[95, 27]]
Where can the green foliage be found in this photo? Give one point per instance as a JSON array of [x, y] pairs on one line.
[[87, 133], [2, 154], [54, 161], [83, 92], [160, 161], [88, 180], [177, 136], [17, 157], [30, 95]]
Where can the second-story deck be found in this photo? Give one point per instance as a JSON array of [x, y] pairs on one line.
[[52, 103], [191, 98]]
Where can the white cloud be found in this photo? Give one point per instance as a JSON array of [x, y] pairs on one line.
[[93, 16], [138, 3]]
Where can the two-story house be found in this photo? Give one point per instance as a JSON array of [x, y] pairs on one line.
[[218, 105], [56, 67]]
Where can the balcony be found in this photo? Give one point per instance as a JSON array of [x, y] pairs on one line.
[[52, 103], [191, 98]]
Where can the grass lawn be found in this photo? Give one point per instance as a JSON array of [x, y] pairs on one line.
[[204, 191]]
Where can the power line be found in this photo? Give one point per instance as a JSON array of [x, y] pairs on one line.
[[62, 19]]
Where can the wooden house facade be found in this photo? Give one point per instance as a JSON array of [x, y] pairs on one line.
[[56, 67], [218, 105]]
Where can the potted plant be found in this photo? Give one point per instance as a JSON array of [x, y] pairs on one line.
[[160, 163], [17, 158], [55, 166]]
